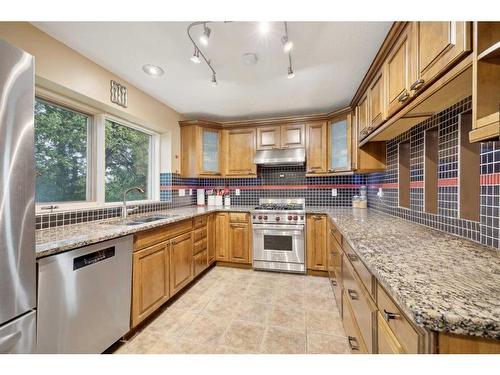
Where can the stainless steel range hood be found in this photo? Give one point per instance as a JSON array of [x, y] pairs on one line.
[[290, 156]]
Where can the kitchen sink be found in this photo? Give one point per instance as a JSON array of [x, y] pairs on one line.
[[142, 220]]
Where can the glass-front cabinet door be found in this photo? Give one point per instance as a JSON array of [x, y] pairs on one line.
[[211, 151], [340, 145]]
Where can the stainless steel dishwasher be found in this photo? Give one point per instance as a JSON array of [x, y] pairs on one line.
[[84, 298]]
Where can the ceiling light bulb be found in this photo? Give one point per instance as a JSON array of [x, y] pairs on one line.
[[287, 44], [291, 74], [152, 70], [196, 56], [214, 80], [204, 37], [264, 27]]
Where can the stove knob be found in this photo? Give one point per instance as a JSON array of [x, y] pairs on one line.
[[302, 218], [295, 217], [254, 216], [289, 218], [260, 217], [265, 217], [277, 218]]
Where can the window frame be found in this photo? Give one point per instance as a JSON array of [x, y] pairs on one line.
[[96, 158]]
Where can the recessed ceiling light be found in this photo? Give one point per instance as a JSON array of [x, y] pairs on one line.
[[264, 27], [152, 70]]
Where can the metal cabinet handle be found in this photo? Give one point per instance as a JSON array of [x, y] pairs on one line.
[[352, 257], [417, 84], [353, 294], [353, 342], [390, 315], [9, 341], [403, 97], [333, 282]]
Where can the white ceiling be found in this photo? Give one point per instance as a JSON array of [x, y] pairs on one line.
[[329, 59]]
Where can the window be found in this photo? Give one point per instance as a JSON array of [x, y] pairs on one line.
[[128, 160], [61, 146]]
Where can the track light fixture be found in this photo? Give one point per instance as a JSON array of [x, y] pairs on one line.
[[214, 80], [291, 74], [206, 34], [196, 56], [287, 43]]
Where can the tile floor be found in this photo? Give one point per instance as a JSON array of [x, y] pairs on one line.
[[237, 311]]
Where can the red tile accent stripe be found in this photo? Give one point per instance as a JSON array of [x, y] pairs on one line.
[[490, 179]]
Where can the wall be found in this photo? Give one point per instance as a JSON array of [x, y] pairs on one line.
[[64, 71], [486, 230]]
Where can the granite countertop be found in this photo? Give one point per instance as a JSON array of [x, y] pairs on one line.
[[443, 282]]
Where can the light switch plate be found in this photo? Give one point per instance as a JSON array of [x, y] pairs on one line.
[[182, 192], [237, 191], [334, 192], [190, 191], [380, 193]]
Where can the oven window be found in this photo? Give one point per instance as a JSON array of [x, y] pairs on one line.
[[282, 243]]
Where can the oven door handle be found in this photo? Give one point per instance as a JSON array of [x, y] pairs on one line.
[[290, 228]]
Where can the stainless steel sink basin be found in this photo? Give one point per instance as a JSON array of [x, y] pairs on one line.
[[142, 220]]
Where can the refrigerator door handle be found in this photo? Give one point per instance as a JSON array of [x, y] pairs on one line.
[[9, 341]]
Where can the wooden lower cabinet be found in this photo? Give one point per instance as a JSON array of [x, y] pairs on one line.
[[200, 262], [181, 258], [387, 343], [316, 243], [150, 281], [455, 344], [239, 242], [354, 337], [222, 236], [211, 239]]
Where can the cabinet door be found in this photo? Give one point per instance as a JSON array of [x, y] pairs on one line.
[[293, 136], [211, 239], [222, 236], [210, 157], [376, 108], [316, 242], [362, 117], [438, 45], [268, 138], [181, 259], [316, 141], [397, 73], [239, 242], [387, 343], [150, 281], [339, 147], [240, 152]]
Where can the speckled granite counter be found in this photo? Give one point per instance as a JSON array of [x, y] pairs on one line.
[[443, 282]]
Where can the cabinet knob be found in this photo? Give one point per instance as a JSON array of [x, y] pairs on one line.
[[417, 84], [403, 97], [333, 282], [353, 342]]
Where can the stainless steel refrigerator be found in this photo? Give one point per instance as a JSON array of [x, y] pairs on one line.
[[17, 202]]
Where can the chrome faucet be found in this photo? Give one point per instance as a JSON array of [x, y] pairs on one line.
[[125, 210]]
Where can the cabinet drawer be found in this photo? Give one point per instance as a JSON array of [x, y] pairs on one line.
[[398, 323], [156, 235], [200, 262], [200, 234], [387, 343], [238, 217], [336, 234], [363, 272], [200, 221], [362, 307], [200, 246], [354, 338]]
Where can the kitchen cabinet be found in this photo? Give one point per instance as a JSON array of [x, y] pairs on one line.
[[437, 46], [181, 258], [150, 280], [354, 337], [376, 104], [269, 138], [316, 147], [339, 145], [335, 265], [222, 236], [316, 242], [211, 234], [293, 136], [239, 242], [200, 151], [387, 343], [362, 117], [398, 72], [240, 152]]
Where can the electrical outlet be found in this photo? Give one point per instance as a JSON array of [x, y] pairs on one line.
[[190, 191], [334, 192], [182, 192], [380, 193], [237, 191]]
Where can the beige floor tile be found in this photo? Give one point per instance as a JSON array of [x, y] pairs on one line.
[[171, 323], [290, 297], [244, 335], [320, 302], [318, 343], [283, 341], [142, 343], [291, 317], [325, 321], [259, 294], [205, 329], [222, 307], [251, 311], [223, 349]]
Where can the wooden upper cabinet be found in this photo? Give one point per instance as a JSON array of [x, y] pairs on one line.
[[210, 155], [339, 145], [437, 46], [362, 116], [268, 138], [200, 151], [181, 259], [398, 73], [376, 106], [240, 152], [317, 148], [293, 136]]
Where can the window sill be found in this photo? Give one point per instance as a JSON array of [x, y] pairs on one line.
[[74, 206]]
